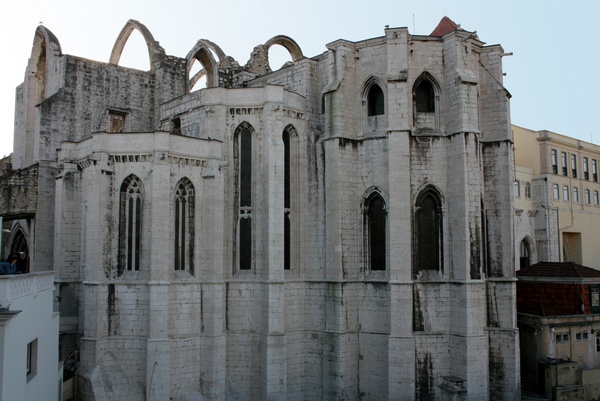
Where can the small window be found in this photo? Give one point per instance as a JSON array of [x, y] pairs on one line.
[[574, 166], [517, 186], [176, 126], [565, 193], [556, 192], [425, 97], [586, 173], [594, 170], [116, 121], [554, 162], [562, 337], [563, 157], [581, 335], [587, 197], [527, 190], [32, 353], [575, 194], [375, 101], [596, 199], [598, 342]]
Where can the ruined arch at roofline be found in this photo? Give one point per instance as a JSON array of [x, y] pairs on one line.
[[288, 43], [154, 48], [202, 51]]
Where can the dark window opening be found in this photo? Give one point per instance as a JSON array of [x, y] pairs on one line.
[[594, 170], [245, 243], [375, 101], [524, 259], [586, 173], [564, 163], [376, 225], [246, 168], [130, 231], [184, 225], [425, 97], [243, 160], [286, 202], [554, 162], [429, 233], [176, 126], [574, 166]]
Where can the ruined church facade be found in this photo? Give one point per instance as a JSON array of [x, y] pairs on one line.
[[338, 229]]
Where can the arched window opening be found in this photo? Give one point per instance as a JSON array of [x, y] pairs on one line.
[[20, 248], [243, 161], [517, 186], [524, 259], [429, 232], [184, 226], [527, 190], [575, 195], [555, 192], [130, 224], [376, 228], [375, 101], [290, 157], [425, 97]]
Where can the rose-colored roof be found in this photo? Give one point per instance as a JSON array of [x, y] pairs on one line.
[[445, 26]]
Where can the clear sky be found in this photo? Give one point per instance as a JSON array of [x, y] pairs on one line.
[[551, 76]]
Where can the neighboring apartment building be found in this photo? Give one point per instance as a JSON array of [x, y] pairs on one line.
[[559, 328], [557, 199], [338, 229], [29, 360]]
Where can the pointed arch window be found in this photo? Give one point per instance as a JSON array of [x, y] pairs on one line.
[[130, 224], [243, 163], [428, 225], [375, 101], [376, 232], [184, 225], [425, 97], [525, 255]]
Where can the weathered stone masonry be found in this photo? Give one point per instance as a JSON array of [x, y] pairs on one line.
[[338, 229]]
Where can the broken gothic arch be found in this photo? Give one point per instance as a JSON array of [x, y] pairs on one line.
[[203, 53], [154, 48]]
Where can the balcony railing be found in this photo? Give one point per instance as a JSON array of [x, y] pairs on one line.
[[22, 285]]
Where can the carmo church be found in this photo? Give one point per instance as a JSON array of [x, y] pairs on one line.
[[339, 228]]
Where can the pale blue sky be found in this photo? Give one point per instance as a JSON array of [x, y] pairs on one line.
[[552, 74]]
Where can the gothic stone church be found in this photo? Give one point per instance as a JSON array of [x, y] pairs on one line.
[[337, 229]]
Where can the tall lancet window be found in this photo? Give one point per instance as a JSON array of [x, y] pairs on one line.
[[286, 202], [290, 143], [130, 224], [184, 226], [376, 228], [428, 225], [243, 161]]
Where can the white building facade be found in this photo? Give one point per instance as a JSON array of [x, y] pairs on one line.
[[29, 360], [338, 229]]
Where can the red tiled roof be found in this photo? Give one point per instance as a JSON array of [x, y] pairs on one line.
[[445, 26], [558, 269]]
